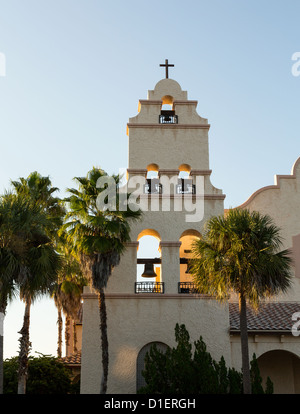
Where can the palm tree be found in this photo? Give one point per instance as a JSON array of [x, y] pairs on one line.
[[71, 292], [11, 248], [99, 239], [42, 259], [40, 269], [39, 190], [67, 298], [27, 260], [241, 253]]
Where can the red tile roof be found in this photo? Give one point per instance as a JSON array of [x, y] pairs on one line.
[[275, 316], [73, 359]]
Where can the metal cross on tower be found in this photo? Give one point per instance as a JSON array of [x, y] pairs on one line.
[[167, 66]]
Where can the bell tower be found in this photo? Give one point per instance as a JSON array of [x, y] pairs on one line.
[[168, 160]]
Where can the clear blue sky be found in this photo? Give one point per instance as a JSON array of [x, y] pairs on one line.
[[75, 70]]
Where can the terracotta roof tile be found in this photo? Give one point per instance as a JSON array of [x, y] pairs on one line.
[[275, 316], [73, 359]]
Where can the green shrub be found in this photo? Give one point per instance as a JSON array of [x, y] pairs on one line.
[[46, 375], [180, 371]]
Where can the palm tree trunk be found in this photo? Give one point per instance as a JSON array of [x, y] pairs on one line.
[[2, 314], [67, 334], [59, 323], [24, 349], [74, 337], [244, 344], [104, 340]]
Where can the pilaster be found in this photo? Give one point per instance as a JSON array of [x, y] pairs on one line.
[[170, 265]]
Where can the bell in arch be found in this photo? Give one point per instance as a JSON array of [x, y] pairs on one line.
[[149, 270]]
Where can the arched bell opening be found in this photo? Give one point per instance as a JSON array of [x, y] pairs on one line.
[[167, 100], [167, 113], [188, 237], [149, 278], [185, 181], [152, 185]]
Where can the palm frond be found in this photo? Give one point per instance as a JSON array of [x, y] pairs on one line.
[[240, 252]]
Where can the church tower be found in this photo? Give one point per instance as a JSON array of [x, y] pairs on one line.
[[147, 295]]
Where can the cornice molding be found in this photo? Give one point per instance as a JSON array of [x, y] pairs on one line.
[[169, 126], [149, 296], [170, 244]]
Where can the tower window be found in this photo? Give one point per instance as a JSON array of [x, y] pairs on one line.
[[152, 185]]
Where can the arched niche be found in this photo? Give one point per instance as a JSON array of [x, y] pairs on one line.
[[185, 180], [283, 368], [140, 362]]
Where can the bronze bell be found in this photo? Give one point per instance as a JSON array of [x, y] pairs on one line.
[[149, 270]]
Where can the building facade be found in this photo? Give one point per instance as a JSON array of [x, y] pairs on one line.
[[168, 161]]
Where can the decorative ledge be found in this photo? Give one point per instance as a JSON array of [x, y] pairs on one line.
[[149, 296], [165, 171], [185, 196], [200, 172], [132, 244], [140, 171], [176, 126], [170, 244], [195, 103]]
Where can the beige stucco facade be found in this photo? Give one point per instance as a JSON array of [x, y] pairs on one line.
[[138, 319], [282, 202], [278, 353]]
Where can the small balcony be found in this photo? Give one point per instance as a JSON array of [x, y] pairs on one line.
[[168, 117], [187, 288], [149, 287], [153, 186], [185, 186]]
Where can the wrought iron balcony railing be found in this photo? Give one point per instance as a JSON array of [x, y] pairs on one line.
[[187, 189], [153, 186], [168, 117], [149, 287], [185, 186], [187, 287]]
